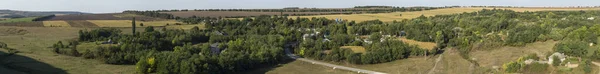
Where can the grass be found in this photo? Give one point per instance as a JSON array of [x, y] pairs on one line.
[[36, 43], [56, 24], [501, 55], [26, 19], [127, 23], [299, 67], [423, 45], [389, 17], [356, 49]]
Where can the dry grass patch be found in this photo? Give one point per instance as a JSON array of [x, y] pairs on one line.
[[56, 24], [424, 45], [127, 23], [499, 56], [355, 49]]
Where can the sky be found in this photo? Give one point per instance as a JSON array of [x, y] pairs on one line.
[[112, 6]]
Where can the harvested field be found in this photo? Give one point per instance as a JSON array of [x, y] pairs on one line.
[[81, 24], [116, 16], [56, 24], [236, 13], [127, 23], [24, 24], [355, 49]]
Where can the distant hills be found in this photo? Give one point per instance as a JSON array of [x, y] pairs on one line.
[[4, 13]]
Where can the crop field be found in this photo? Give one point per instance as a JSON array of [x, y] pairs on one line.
[[24, 24], [424, 45], [355, 49], [234, 13], [127, 23], [389, 17], [116, 16], [56, 24], [26, 19], [81, 23]]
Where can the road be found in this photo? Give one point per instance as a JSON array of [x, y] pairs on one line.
[[293, 56]]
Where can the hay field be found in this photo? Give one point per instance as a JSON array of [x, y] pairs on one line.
[[388, 17], [56, 24], [424, 45], [356, 49], [127, 23]]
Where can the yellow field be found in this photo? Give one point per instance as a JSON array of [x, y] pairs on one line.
[[56, 24], [127, 23], [424, 45], [355, 49], [388, 17]]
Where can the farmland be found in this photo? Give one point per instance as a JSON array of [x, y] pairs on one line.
[[237, 13], [127, 23], [56, 24], [389, 17], [26, 19], [112, 16]]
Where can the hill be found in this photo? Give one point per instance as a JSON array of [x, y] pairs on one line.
[[20, 14]]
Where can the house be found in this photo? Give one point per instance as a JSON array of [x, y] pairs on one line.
[[560, 56], [591, 18], [214, 48]]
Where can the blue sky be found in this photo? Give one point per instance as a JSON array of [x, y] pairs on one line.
[[110, 6]]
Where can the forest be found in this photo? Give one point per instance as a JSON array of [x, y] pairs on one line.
[[238, 45]]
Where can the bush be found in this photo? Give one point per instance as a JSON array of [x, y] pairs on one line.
[[512, 67]]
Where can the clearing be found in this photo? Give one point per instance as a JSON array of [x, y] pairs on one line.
[[423, 45], [356, 49]]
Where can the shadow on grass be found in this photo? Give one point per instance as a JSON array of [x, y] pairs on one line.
[[267, 68], [17, 64]]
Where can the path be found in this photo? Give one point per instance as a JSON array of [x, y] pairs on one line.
[[291, 55], [597, 64], [435, 65]]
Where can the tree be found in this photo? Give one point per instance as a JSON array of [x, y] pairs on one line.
[[555, 61], [149, 29], [141, 24]]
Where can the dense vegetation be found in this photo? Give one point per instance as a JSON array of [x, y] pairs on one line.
[[236, 45]]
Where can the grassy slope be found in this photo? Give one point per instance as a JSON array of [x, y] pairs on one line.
[[388, 17], [35, 45], [127, 23]]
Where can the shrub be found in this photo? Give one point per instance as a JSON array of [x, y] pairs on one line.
[[512, 67]]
